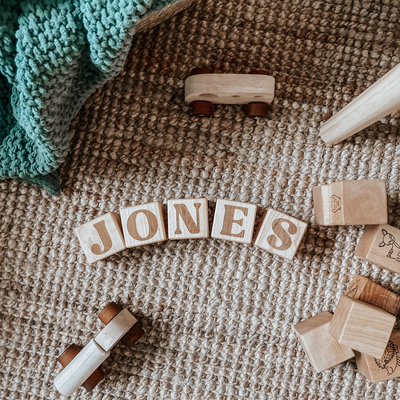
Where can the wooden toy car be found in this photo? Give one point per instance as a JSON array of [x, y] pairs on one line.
[[81, 366], [204, 88]]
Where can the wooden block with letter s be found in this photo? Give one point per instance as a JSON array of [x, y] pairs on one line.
[[280, 234], [234, 221], [188, 219], [101, 237], [363, 289], [143, 224], [380, 245], [384, 368], [322, 349], [361, 326], [359, 202]]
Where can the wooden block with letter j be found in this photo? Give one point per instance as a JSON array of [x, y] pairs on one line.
[[188, 219], [322, 349], [280, 234], [384, 368], [361, 326], [101, 237], [234, 221], [360, 202], [380, 245]]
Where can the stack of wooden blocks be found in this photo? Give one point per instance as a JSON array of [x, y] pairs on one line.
[[362, 326]]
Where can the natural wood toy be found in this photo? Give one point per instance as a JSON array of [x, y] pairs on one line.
[[380, 245], [321, 348], [255, 89], [363, 289], [234, 221], [362, 202], [101, 237], [143, 224], [280, 234], [361, 326], [188, 219], [379, 100], [81, 367], [382, 369]]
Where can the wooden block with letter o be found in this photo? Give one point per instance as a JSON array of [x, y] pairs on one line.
[[362, 202], [143, 224], [322, 349], [363, 289], [188, 219], [101, 237], [280, 234], [234, 221], [380, 245], [361, 326], [384, 368]]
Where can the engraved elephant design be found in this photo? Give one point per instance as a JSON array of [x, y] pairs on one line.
[[389, 240]]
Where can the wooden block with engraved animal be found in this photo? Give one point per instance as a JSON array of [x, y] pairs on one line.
[[360, 202], [204, 88], [380, 245], [321, 348]]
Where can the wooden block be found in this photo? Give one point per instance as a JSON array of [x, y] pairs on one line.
[[322, 349], [382, 369], [101, 237], [361, 327], [80, 368], [234, 221], [363, 289], [380, 99], [351, 203], [143, 224], [188, 219], [230, 88], [113, 332], [380, 245], [280, 234]]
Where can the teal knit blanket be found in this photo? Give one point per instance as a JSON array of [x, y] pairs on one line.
[[53, 55]]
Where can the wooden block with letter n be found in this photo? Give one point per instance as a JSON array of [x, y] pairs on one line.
[[380, 245], [143, 224], [382, 369], [280, 234], [322, 349], [101, 237], [361, 326], [360, 202], [363, 289], [188, 219], [234, 221]]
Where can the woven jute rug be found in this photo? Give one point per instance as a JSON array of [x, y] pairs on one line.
[[218, 316]]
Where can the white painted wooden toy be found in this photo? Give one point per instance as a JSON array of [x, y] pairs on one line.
[[81, 367], [255, 89]]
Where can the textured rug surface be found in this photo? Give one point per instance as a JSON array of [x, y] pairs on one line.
[[218, 316]]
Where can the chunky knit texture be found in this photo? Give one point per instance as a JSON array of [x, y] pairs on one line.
[[53, 55], [218, 316]]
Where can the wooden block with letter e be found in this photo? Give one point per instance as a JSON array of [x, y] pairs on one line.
[[380, 245], [322, 349], [188, 219], [101, 237], [363, 289], [384, 368], [360, 202], [280, 234], [234, 221], [143, 224], [361, 326]]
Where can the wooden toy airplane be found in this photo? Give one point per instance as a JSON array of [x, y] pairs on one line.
[[204, 88], [81, 367], [378, 101]]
